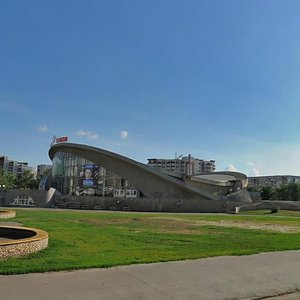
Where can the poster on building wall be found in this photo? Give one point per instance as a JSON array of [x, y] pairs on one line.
[[89, 176]]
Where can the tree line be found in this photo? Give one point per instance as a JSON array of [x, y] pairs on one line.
[[22, 181], [287, 192]]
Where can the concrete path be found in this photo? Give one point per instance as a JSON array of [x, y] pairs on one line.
[[292, 296], [219, 278]]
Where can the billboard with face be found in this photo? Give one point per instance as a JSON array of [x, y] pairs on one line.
[[89, 176]]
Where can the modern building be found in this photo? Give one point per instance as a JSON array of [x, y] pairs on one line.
[[271, 181], [187, 165], [42, 170], [94, 178], [78, 176], [14, 167]]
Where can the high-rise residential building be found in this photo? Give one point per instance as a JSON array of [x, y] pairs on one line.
[[13, 167], [187, 165]]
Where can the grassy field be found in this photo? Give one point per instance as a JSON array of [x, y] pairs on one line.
[[85, 239]]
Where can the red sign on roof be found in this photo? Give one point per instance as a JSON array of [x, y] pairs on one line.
[[61, 139]]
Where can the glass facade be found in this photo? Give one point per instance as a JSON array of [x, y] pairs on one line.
[[73, 175]]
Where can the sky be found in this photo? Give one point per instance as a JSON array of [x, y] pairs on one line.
[[154, 78]]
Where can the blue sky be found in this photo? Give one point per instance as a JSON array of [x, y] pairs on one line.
[[217, 79]]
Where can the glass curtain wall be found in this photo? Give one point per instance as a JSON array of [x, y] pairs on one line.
[[73, 175]]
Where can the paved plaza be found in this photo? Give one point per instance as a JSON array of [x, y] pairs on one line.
[[230, 277]]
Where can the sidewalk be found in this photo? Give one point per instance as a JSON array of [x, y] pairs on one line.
[[293, 296], [219, 278]]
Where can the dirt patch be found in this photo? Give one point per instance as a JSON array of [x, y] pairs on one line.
[[249, 225], [103, 222], [182, 225], [17, 224], [187, 226]]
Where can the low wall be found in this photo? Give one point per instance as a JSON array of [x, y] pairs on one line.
[[145, 204], [30, 240], [40, 198], [7, 214], [272, 205]]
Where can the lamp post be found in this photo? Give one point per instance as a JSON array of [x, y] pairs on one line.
[[2, 194]]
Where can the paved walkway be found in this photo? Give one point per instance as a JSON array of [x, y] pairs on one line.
[[219, 278]]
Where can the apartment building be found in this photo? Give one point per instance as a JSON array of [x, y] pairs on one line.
[[13, 167], [187, 165], [272, 181]]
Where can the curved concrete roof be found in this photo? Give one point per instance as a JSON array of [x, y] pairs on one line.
[[224, 178]]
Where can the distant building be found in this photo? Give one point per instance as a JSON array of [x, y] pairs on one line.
[[42, 170], [14, 167], [271, 181], [187, 165]]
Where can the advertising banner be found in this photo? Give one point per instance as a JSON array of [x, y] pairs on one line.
[[89, 176]]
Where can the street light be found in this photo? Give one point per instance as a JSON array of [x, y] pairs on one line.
[[2, 199]]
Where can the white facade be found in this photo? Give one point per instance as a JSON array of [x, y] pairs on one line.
[[187, 165], [14, 167]]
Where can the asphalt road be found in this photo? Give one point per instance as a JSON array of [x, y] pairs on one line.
[[219, 278]]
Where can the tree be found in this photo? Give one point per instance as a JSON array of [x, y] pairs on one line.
[[289, 192], [8, 180], [285, 192], [26, 180], [268, 193], [294, 191], [253, 189]]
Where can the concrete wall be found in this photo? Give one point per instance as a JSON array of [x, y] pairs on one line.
[[145, 204], [40, 198], [255, 196], [169, 204], [272, 205]]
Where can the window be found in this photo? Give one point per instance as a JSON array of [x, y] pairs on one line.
[[23, 200]]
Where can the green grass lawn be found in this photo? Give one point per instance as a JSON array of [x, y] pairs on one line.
[[85, 239]]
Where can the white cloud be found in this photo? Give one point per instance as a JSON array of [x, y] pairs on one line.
[[124, 134], [88, 134], [92, 136], [43, 128], [253, 172], [231, 168], [81, 133]]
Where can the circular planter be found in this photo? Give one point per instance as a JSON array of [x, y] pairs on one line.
[[17, 241], [7, 214]]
